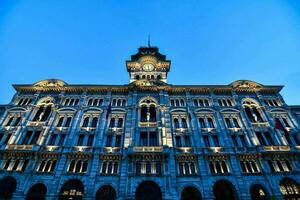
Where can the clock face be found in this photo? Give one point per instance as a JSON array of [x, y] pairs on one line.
[[148, 67]]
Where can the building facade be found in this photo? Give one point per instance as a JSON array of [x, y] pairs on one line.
[[149, 139]]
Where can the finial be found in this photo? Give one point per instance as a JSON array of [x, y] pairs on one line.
[[149, 40]]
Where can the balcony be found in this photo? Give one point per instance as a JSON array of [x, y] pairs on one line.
[[83, 149], [24, 147], [112, 150], [208, 130], [181, 130], [234, 129], [143, 149], [36, 123], [260, 124], [88, 129], [115, 129], [183, 150], [276, 148], [147, 124], [53, 148]]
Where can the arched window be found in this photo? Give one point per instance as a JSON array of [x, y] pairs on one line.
[[210, 122], [177, 102], [72, 189], [158, 77], [258, 192], [152, 76], [68, 122], [289, 188], [224, 190], [114, 102], [183, 122], [85, 122], [17, 121], [195, 102], [137, 77], [152, 111], [8, 186], [176, 123], [106, 192], [120, 123], [148, 190], [123, 102], [112, 123], [60, 122], [181, 102], [94, 122], [37, 192], [144, 112], [44, 110], [148, 111], [119, 102], [190, 193], [252, 111]]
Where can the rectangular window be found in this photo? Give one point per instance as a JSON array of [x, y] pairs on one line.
[[153, 139], [261, 139], [118, 141], [234, 141], [27, 137], [269, 138], [143, 139], [187, 141], [216, 140], [158, 167], [52, 139], [8, 136], [108, 140], [35, 137], [90, 140], [138, 168], [206, 141], [178, 141], [80, 140], [202, 123], [271, 166], [62, 139]]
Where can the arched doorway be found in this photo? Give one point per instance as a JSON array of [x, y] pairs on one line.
[[148, 190], [190, 193], [106, 192], [224, 190], [258, 192], [37, 192], [71, 189], [290, 189], [8, 186]]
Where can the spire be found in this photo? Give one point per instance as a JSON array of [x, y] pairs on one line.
[[149, 40]]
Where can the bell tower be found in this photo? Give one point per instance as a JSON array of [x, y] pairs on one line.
[[148, 65]]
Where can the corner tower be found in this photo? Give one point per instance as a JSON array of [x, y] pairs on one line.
[[148, 66]]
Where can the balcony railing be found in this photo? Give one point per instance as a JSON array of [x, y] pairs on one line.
[[111, 150], [22, 147], [147, 124], [148, 149], [277, 148], [260, 124], [36, 123]]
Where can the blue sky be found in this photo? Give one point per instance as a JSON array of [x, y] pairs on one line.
[[209, 42]]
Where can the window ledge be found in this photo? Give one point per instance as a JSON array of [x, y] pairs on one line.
[[276, 148]]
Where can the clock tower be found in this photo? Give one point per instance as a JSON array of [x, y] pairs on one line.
[[148, 66]]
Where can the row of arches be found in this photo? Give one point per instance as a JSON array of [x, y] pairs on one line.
[[148, 190]]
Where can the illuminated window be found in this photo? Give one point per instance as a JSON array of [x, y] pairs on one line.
[[47, 166]]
